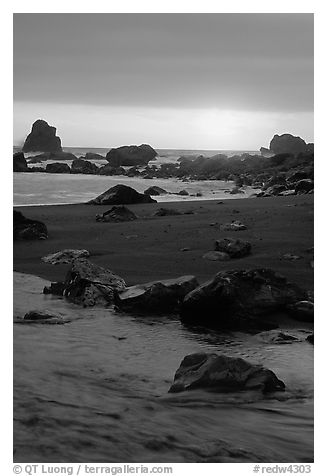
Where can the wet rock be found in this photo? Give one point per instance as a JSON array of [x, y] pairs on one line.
[[43, 317], [65, 256], [234, 248], [42, 138], [297, 176], [302, 311], [131, 155], [183, 193], [221, 373], [121, 195], [19, 162], [233, 226], [57, 168], [61, 156], [275, 190], [156, 296], [240, 299], [163, 212], [117, 214], [81, 166], [88, 284], [27, 229], [287, 193], [155, 191], [304, 186], [310, 338], [216, 256], [276, 337]]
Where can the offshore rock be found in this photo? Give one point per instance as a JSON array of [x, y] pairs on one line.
[[130, 155], [221, 373], [42, 138]]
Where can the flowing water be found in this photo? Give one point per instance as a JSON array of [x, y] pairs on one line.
[[95, 390]]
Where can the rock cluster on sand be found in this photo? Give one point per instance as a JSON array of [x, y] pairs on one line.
[[42, 138], [156, 296], [27, 229], [129, 155], [121, 195], [88, 284], [116, 214], [20, 164], [236, 299], [221, 373], [65, 256]]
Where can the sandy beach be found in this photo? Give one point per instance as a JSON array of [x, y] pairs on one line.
[[150, 247]]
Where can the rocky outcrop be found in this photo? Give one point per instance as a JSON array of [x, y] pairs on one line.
[[121, 195], [287, 143], [88, 284], [234, 248], [52, 156], [156, 296], [129, 155], [27, 229], [117, 214], [240, 299], [221, 373], [20, 164], [81, 166], [109, 170], [155, 191], [65, 256], [57, 168], [42, 138]]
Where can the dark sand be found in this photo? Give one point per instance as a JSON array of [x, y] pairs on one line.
[[150, 247]]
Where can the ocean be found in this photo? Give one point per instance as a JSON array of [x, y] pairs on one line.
[[50, 189]]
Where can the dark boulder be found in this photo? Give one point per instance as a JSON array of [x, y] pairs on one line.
[[131, 155], [156, 296], [57, 168], [43, 317], [297, 176], [88, 284], [27, 229], [234, 248], [20, 164], [36, 169], [81, 166], [235, 299], [93, 156], [121, 195], [109, 170], [221, 373], [117, 214], [310, 338], [304, 186], [42, 138], [302, 311], [154, 190], [287, 143], [275, 190], [164, 212]]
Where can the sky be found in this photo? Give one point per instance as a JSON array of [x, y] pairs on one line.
[[187, 81]]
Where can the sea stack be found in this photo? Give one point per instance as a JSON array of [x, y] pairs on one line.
[[42, 138]]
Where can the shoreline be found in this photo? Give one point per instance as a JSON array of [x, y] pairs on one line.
[[276, 226]]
